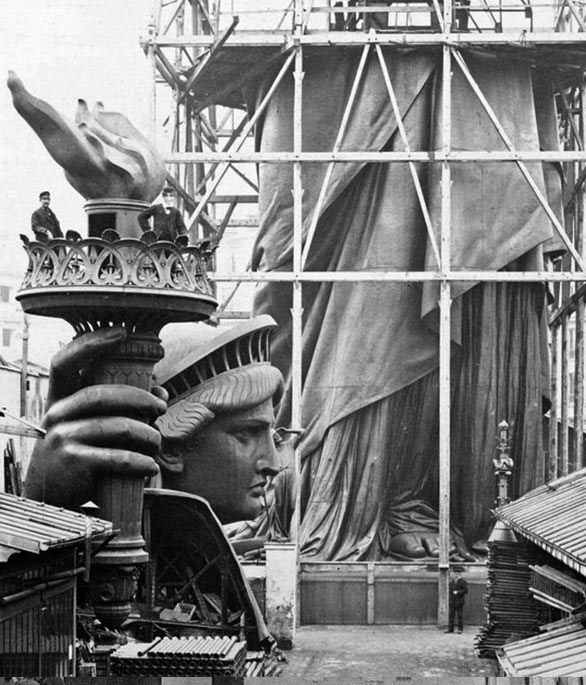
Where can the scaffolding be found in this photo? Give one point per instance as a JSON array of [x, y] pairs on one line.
[[201, 54]]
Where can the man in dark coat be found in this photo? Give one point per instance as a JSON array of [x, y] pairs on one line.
[[167, 220], [458, 591], [43, 220]]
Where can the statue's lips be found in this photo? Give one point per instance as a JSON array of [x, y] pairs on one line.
[[258, 489]]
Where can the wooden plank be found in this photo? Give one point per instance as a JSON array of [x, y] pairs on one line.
[[207, 60], [340, 601], [569, 305], [382, 157], [8, 427], [265, 39], [399, 276]]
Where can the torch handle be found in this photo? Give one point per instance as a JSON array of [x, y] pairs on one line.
[[121, 497]]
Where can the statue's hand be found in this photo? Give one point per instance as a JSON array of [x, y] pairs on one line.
[[93, 430], [102, 154]]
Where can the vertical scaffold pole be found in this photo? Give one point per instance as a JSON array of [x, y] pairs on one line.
[[580, 308], [153, 32], [444, 341], [297, 310]]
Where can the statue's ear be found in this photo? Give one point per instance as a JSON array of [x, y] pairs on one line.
[[171, 460]]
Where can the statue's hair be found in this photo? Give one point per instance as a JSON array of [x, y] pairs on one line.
[[235, 390], [184, 419]]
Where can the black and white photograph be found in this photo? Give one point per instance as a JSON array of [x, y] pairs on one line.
[[292, 341]]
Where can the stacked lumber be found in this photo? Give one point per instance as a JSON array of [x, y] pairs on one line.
[[512, 611]]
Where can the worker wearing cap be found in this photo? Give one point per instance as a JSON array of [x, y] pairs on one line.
[[458, 590], [44, 222]]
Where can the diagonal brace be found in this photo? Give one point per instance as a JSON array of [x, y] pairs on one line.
[[223, 168], [412, 169], [337, 145], [522, 166]]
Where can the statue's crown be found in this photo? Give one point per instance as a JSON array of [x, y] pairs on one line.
[[248, 343]]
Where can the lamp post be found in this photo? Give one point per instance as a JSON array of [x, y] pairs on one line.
[[503, 464]]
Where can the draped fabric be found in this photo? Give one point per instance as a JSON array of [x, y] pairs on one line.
[[370, 350]]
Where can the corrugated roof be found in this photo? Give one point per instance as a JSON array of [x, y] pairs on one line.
[[558, 652], [29, 526], [553, 516]]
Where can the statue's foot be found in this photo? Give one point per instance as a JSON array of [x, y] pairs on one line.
[[417, 545], [414, 533]]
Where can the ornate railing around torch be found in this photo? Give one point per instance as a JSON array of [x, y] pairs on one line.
[[97, 282], [124, 263]]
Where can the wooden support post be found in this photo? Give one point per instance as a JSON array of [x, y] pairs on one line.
[[151, 55], [24, 369], [552, 470], [444, 340], [580, 308], [565, 421], [297, 310], [579, 388], [370, 593]]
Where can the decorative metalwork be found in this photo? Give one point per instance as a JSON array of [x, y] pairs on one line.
[[127, 263], [503, 464]]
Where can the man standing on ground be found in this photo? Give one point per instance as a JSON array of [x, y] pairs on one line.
[[44, 223], [458, 591], [168, 223]]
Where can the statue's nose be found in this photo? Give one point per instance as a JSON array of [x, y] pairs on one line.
[[267, 463]]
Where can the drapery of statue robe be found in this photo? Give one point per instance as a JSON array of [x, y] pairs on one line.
[[370, 350]]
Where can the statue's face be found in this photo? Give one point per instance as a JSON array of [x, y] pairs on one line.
[[230, 463]]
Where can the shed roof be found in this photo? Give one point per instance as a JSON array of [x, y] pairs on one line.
[[29, 526], [558, 652], [553, 516]]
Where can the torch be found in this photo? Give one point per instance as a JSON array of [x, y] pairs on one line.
[[113, 277]]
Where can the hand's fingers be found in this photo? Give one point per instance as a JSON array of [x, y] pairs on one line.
[[113, 431], [106, 400], [71, 359], [111, 461], [160, 392]]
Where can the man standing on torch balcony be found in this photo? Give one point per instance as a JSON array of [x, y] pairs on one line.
[[168, 223], [44, 223]]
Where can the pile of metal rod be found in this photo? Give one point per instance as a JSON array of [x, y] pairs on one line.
[[262, 665], [510, 607], [254, 666], [181, 656]]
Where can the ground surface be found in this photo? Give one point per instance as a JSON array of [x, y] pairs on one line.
[[371, 653]]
